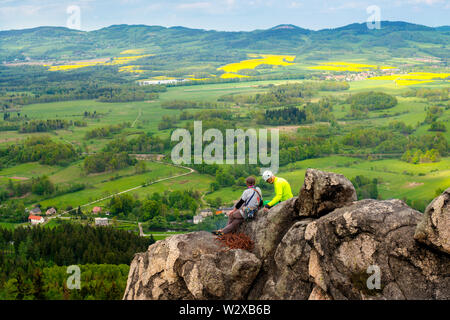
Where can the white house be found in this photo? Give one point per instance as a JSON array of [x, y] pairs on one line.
[[206, 213], [35, 220], [50, 211], [154, 82], [198, 219], [101, 221], [35, 211]]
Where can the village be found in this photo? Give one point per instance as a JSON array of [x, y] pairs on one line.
[[39, 217]]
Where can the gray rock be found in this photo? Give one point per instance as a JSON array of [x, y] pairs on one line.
[[434, 229], [289, 277], [267, 230], [349, 241], [335, 256], [322, 192], [191, 266]]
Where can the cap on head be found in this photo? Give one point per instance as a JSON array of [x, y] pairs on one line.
[[267, 175]]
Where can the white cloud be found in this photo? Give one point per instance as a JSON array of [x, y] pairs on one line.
[[194, 5], [295, 4], [24, 10]]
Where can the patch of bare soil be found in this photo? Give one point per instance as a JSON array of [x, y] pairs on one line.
[[20, 178], [413, 184]]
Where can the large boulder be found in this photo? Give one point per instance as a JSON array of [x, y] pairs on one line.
[[340, 249], [288, 277], [352, 243], [322, 192], [334, 257], [191, 266], [267, 229], [434, 228]]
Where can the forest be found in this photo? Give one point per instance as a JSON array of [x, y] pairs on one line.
[[34, 261], [41, 149]]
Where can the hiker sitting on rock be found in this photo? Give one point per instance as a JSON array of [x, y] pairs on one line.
[[246, 208], [282, 189]]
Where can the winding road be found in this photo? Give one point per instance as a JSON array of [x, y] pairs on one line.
[[128, 190]]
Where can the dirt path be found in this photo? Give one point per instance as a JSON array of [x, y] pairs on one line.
[[137, 118]]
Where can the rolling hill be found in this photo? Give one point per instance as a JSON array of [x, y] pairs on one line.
[[399, 39]]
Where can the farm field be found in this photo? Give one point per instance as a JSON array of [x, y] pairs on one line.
[[106, 184], [409, 110], [235, 103]]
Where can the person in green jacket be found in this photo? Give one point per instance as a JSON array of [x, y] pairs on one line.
[[282, 189]]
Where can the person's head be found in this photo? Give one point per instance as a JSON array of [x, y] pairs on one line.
[[250, 181], [268, 176]]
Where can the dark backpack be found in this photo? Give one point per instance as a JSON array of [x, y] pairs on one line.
[[250, 213]]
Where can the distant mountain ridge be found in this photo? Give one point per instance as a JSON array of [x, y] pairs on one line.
[[51, 43], [397, 25]]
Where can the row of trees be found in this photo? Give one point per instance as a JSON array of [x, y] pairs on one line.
[[77, 90], [143, 143], [290, 115], [371, 101], [418, 156], [41, 186], [168, 205], [105, 131], [431, 94], [41, 149], [188, 104], [107, 161], [49, 125]]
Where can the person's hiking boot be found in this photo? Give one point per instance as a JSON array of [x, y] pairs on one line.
[[217, 233]]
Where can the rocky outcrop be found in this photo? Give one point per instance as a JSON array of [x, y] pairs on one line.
[[340, 249], [322, 192], [434, 229], [191, 266]]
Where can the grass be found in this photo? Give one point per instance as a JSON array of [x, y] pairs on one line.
[[397, 179], [102, 185], [395, 176], [9, 225]]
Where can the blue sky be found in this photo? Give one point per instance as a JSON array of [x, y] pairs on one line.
[[228, 15]]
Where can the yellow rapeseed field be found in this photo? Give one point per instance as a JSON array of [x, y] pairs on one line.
[[413, 78], [347, 66], [131, 69], [127, 59], [258, 59], [115, 61], [132, 51], [281, 60], [72, 66], [232, 75]]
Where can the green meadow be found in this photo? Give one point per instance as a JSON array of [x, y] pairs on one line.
[[397, 179]]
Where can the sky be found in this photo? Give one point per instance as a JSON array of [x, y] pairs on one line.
[[223, 15]]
